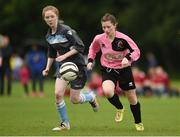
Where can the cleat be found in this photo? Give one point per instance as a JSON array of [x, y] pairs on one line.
[[139, 127], [94, 104], [63, 126], [119, 115]]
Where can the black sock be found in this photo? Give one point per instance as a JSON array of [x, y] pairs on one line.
[[114, 100], [136, 111]]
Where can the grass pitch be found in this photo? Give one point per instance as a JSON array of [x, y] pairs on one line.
[[36, 116]]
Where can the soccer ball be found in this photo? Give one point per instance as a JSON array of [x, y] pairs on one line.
[[69, 71]]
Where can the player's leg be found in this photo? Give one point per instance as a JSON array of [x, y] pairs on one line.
[[77, 96], [129, 88], [135, 109], [108, 89], [34, 80], [60, 86], [26, 89]]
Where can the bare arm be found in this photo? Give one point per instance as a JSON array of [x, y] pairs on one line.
[[66, 55], [48, 66]]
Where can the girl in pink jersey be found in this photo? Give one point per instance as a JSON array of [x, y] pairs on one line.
[[118, 52]]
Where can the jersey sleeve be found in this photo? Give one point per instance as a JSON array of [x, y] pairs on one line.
[[93, 49], [75, 41], [52, 53], [134, 52]]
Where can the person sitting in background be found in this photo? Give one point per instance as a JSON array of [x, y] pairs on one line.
[[159, 81], [139, 78]]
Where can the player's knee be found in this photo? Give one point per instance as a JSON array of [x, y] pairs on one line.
[[58, 96], [108, 93], [75, 100], [131, 95], [132, 99]]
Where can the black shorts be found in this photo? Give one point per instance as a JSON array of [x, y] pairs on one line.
[[80, 81], [123, 76]]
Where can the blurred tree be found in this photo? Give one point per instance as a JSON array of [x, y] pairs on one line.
[[154, 24]]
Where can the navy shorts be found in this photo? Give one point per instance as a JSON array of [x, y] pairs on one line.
[[80, 81], [123, 76]]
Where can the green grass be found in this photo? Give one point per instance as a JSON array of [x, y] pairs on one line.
[[37, 116]]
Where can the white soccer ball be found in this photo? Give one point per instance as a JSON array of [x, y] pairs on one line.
[[69, 71]]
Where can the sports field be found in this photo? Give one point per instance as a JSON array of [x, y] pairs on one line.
[[37, 116]]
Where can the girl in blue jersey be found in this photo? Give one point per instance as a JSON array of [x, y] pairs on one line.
[[64, 45]]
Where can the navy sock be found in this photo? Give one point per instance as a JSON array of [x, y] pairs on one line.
[[115, 101], [136, 111]]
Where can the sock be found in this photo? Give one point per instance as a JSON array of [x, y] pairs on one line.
[[115, 101], [61, 108], [136, 111], [86, 97]]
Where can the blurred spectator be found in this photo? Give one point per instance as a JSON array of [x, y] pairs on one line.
[[163, 82], [16, 63], [5, 69], [1, 44], [151, 60], [139, 78], [148, 82], [159, 81], [36, 61], [24, 78]]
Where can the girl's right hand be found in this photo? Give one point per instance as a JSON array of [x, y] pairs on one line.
[[90, 66], [45, 72]]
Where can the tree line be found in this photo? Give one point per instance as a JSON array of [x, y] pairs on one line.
[[154, 24]]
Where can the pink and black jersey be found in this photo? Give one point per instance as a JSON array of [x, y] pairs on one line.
[[113, 52]]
